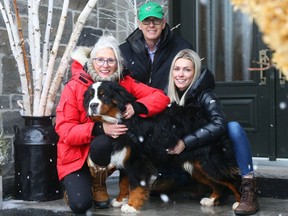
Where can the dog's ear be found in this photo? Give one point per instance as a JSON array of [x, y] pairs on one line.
[[122, 97], [128, 98]]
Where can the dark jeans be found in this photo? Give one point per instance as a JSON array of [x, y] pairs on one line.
[[78, 184], [78, 188], [241, 147], [100, 150]]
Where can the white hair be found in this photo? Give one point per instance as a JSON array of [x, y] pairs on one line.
[[108, 41]]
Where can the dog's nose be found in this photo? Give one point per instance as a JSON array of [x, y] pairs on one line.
[[93, 106]]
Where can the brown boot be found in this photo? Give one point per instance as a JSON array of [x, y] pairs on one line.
[[66, 197], [248, 204], [99, 174]]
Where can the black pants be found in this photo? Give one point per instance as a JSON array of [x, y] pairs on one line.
[[100, 150], [78, 188], [78, 184]]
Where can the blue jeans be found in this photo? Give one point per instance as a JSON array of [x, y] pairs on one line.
[[241, 147]]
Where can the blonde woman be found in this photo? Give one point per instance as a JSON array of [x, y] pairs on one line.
[[189, 86]]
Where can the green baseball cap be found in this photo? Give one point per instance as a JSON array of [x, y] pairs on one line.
[[150, 9]]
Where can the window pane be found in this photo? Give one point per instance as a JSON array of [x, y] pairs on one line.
[[224, 40]]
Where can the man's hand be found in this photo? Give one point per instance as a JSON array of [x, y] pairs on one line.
[[177, 149]]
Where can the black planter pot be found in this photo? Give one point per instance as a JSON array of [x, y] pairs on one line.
[[35, 152]]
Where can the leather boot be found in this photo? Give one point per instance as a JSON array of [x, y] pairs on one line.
[[66, 197], [99, 174], [248, 204]]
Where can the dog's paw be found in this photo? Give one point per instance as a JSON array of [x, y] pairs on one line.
[[116, 204], [235, 205], [207, 201], [128, 209]]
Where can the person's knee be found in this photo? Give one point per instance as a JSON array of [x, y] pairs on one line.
[[235, 131], [234, 125], [100, 150], [234, 128], [101, 143]]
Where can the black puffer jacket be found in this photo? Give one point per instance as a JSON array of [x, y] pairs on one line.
[[137, 57], [202, 98]]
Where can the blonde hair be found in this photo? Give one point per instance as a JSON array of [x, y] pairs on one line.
[[108, 41], [172, 89]]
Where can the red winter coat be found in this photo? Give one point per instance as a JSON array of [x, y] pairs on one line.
[[73, 126]]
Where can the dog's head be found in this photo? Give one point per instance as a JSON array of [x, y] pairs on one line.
[[106, 101]]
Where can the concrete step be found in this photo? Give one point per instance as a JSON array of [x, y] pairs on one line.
[[272, 177]]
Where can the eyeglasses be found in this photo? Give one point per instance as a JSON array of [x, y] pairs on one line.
[[155, 21], [101, 61]]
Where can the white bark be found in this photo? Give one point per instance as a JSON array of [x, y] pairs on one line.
[[53, 55], [15, 45], [46, 41], [66, 57], [31, 36], [44, 89], [37, 74]]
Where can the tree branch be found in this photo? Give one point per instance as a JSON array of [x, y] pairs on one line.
[[66, 58], [53, 55], [15, 45]]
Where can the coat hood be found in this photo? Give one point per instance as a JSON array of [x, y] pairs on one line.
[[205, 81]]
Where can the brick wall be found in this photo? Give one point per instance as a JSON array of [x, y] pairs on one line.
[[113, 17]]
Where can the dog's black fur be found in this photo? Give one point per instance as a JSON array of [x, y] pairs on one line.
[[149, 138]]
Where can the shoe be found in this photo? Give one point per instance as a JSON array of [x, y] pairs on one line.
[[248, 204], [66, 197], [99, 174]]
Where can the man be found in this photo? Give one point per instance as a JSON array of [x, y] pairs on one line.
[[150, 49], [148, 53]]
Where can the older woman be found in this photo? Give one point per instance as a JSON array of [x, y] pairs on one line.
[[82, 140], [188, 86]]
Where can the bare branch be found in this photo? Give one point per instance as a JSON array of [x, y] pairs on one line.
[[37, 74], [53, 55], [46, 38], [15, 45], [66, 58], [26, 65], [175, 27]]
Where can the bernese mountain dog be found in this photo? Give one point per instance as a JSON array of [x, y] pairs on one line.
[[139, 152]]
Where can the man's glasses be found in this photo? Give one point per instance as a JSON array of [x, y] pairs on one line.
[[101, 61], [155, 21]]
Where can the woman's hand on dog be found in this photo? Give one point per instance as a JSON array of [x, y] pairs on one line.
[[114, 130], [129, 112], [177, 149]]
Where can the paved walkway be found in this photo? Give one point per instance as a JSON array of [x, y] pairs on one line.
[[180, 203]]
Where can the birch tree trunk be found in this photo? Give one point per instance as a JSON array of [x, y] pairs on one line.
[[39, 96], [53, 55], [66, 56], [37, 73], [46, 38], [15, 45]]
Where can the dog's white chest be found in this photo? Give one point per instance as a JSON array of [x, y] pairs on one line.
[[118, 157]]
